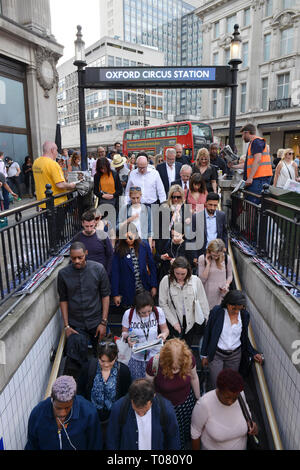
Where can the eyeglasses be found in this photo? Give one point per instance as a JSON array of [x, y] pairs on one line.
[[105, 343], [176, 197], [135, 188]]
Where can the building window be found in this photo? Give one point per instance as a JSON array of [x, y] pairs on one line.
[[110, 61], [286, 41], [264, 93], [230, 22], [245, 54], [215, 58], [283, 85], [214, 103], [216, 29], [288, 4], [268, 7], [243, 97], [247, 17], [267, 47], [226, 101]]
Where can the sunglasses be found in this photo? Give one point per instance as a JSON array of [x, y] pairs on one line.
[[291, 153], [105, 343], [135, 188], [176, 197]]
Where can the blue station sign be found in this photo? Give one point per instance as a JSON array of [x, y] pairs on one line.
[[157, 77]]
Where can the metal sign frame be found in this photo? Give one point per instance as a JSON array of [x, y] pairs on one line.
[[107, 78]]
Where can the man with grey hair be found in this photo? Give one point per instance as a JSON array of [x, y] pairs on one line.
[[184, 178], [148, 180], [169, 170], [64, 421]]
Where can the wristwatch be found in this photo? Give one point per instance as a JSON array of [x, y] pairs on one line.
[[103, 322], [66, 327]]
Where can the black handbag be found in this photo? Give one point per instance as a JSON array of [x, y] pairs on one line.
[[253, 442]]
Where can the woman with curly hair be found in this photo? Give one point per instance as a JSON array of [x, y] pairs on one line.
[[175, 378]]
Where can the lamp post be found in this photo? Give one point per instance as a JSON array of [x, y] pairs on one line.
[[235, 60], [80, 63]]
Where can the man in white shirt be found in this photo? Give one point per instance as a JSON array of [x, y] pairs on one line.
[[142, 420], [169, 171], [148, 180]]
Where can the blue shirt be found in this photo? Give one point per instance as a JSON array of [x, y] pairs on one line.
[[211, 227]]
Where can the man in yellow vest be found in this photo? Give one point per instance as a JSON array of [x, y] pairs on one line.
[[257, 166]]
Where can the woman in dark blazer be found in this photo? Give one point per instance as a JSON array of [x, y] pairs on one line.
[[226, 343], [103, 380], [133, 270]]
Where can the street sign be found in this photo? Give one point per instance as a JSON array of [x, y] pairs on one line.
[[157, 77]]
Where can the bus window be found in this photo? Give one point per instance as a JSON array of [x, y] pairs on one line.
[[202, 130], [171, 131], [143, 134], [136, 135], [184, 130], [150, 133], [161, 132], [128, 136]]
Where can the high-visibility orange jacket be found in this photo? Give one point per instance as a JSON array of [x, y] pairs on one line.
[[265, 166]]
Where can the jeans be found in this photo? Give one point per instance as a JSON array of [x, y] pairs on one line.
[[257, 187]]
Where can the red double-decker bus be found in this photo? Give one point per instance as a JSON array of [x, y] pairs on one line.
[[192, 135]]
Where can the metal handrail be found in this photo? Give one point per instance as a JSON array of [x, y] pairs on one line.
[[259, 370], [56, 364]]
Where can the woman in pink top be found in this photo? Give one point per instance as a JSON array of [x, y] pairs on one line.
[[218, 422], [197, 193], [175, 378], [215, 272]]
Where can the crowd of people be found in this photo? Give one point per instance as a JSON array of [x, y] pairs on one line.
[[169, 280]]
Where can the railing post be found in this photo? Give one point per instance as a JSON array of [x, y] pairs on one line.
[[51, 219], [263, 222]]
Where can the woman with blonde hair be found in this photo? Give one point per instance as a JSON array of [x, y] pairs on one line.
[[175, 378], [286, 169], [215, 272], [208, 171]]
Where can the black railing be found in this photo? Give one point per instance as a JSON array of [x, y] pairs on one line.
[[29, 241], [272, 227], [283, 103]]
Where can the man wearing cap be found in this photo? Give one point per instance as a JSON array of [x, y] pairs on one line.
[[257, 166], [118, 164], [64, 421]]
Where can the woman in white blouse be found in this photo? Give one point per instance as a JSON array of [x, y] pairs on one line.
[[225, 342], [286, 169]]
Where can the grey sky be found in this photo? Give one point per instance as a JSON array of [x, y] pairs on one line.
[[66, 15]]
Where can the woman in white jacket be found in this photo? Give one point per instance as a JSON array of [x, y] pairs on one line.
[[178, 294]]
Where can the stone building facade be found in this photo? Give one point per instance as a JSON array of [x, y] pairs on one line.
[[28, 77]]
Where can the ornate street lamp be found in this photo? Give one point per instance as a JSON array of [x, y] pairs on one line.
[[80, 63], [235, 61]]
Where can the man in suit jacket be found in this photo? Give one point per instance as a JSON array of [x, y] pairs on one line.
[[142, 420], [184, 178], [208, 225], [169, 170]]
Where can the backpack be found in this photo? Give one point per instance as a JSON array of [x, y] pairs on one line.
[[162, 417]]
